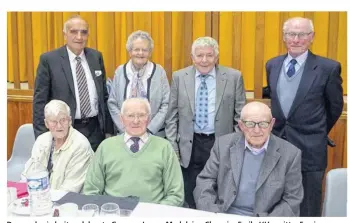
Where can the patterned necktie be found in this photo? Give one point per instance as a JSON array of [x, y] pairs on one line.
[[202, 103], [85, 106], [135, 147], [137, 88], [291, 69]]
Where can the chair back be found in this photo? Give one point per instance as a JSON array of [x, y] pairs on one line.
[[21, 152], [334, 204]]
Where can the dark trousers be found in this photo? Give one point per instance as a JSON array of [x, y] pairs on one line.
[[312, 184], [201, 148], [90, 128]]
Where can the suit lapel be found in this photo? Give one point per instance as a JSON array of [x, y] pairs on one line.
[[269, 162], [91, 60], [220, 87], [67, 68], [236, 157], [306, 81], [274, 75], [190, 85]]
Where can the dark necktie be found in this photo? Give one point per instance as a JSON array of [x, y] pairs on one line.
[[135, 147], [85, 107], [202, 103], [291, 69]]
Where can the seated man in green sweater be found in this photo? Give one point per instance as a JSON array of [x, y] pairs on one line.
[[136, 163]]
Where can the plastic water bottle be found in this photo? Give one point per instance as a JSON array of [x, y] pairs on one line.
[[39, 189]]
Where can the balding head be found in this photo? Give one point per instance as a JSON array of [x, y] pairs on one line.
[[254, 108], [256, 123]]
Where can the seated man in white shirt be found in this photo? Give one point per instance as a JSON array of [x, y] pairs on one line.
[[136, 163]]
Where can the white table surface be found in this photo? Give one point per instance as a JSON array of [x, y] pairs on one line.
[[149, 210]]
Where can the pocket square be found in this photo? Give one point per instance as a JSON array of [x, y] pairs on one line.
[[98, 73]]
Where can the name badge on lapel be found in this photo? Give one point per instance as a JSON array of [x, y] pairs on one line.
[[98, 73]]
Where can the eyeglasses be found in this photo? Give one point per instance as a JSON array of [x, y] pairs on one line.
[[136, 50], [292, 35], [251, 124], [62, 121], [83, 32], [141, 116]]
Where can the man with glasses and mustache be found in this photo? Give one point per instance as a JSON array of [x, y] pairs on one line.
[[136, 163], [306, 100], [253, 172], [76, 75]]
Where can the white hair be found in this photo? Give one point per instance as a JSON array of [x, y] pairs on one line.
[[286, 23], [138, 100], [139, 34], [66, 24], [205, 41], [54, 107]]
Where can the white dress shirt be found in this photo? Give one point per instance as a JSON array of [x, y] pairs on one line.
[[90, 84], [129, 142]]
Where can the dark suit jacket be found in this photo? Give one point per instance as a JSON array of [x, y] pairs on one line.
[[54, 80], [279, 190], [317, 106]]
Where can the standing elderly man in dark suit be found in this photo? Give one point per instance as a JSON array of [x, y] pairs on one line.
[[306, 100], [205, 102], [76, 75], [254, 173]]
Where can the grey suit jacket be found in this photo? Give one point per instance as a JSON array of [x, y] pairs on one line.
[[230, 99], [158, 95], [54, 80], [279, 190]]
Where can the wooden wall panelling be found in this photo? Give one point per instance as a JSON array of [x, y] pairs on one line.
[[158, 37], [215, 25], [259, 54], [237, 40], [105, 42], [13, 55], [188, 38], [342, 48], [168, 44], [226, 39], [273, 31], [32, 33]]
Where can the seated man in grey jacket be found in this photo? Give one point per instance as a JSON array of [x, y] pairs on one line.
[[253, 173]]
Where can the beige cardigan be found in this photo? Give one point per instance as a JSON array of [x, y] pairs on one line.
[[71, 161]]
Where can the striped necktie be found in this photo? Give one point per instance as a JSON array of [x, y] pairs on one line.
[[85, 106]]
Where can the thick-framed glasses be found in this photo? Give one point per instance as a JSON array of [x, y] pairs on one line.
[[137, 50], [75, 32], [292, 35], [251, 124], [141, 116], [62, 121]]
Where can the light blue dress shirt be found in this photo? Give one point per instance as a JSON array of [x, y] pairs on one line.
[[300, 61]]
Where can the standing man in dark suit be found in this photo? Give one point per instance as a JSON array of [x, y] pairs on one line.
[[306, 100], [76, 75], [205, 102]]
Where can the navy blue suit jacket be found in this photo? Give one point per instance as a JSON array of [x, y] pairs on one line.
[[317, 106]]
